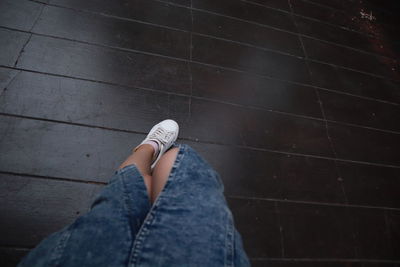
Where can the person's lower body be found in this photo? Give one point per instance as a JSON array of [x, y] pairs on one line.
[[173, 215]]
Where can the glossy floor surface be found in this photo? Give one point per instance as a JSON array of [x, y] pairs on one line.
[[295, 103]]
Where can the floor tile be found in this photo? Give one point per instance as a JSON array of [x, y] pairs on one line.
[[156, 12], [355, 110], [370, 185], [89, 103], [245, 32], [323, 13], [348, 58], [249, 59], [354, 82], [366, 145], [105, 64], [248, 11], [227, 124], [31, 204], [180, 2], [257, 222], [10, 257], [273, 4], [261, 174], [393, 224], [254, 90], [306, 263], [12, 43], [62, 150], [315, 231], [6, 77], [371, 234], [110, 31], [341, 36], [19, 14]]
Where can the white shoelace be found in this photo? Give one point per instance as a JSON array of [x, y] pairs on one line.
[[161, 135]]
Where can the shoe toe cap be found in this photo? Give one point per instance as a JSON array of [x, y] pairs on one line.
[[170, 125]]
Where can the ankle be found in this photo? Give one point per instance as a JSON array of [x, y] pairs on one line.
[[149, 145]]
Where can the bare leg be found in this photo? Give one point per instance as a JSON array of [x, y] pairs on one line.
[[142, 158], [161, 172]]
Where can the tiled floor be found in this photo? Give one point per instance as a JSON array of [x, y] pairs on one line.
[[296, 103]]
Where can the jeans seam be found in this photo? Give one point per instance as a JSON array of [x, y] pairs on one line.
[[126, 204], [144, 229], [59, 248], [127, 196], [231, 241]]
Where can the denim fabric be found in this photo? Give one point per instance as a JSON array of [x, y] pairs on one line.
[[189, 224]]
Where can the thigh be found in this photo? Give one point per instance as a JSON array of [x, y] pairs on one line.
[[190, 223], [105, 235]]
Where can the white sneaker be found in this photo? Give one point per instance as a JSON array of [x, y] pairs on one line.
[[164, 134]]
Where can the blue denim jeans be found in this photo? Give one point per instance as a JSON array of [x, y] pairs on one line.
[[189, 224]]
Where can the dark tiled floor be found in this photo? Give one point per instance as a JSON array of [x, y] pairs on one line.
[[295, 103]]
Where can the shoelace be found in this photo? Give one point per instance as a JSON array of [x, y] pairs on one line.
[[161, 135]]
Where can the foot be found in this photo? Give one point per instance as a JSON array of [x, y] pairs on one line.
[[164, 134]]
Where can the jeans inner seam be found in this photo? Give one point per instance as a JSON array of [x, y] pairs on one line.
[[144, 230]]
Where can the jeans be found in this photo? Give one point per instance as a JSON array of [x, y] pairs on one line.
[[189, 224]]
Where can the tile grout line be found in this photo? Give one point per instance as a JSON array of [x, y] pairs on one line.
[[190, 62], [355, 70], [386, 78], [210, 37], [272, 27], [340, 178], [341, 260], [290, 32], [220, 67], [358, 50], [357, 96], [304, 155], [219, 101], [169, 105], [265, 109], [38, 17], [30, 34], [344, 260], [265, 76], [5, 246], [278, 218], [310, 2], [119, 18], [72, 180], [344, 12], [249, 45], [22, 50], [308, 36], [288, 11], [215, 37], [353, 230], [205, 141], [46, 177], [3, 90], [184, 95], [307, 202], [388, 230], [322, 5]]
